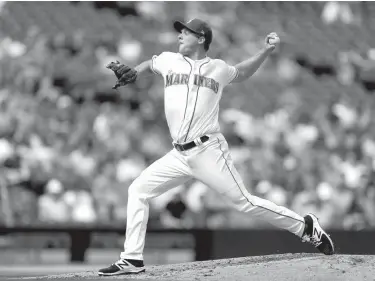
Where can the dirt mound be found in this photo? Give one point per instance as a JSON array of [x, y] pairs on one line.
[[262, 268]]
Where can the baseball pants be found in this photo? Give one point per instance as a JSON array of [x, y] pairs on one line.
[[211, 164]]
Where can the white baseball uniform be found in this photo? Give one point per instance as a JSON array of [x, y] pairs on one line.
[[193, 89]]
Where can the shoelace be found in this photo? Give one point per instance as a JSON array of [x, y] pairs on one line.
[[312, 240]]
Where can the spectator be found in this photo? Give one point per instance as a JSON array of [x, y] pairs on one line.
[[52, 206], [337, 11], [299, 138], [81, 204]]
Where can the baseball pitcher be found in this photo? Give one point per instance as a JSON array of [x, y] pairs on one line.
[[193, 86]]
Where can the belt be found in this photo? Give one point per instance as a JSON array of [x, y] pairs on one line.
[[189, 145]]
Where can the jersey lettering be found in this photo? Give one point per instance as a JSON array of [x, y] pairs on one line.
[[176, 79], [199, 80], [210, 83]]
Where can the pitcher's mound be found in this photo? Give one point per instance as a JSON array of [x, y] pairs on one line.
[[263, 268]]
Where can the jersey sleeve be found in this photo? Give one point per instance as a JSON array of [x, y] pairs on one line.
[[159, 63], [231, 73]]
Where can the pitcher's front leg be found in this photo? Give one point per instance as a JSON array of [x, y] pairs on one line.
[[161, 176]]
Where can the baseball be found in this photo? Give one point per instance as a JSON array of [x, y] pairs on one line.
[[274, 40]]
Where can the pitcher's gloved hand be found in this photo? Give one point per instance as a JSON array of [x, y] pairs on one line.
[[125, 74]]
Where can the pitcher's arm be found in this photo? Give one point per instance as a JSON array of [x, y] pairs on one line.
[[248, 67], [144, 69]]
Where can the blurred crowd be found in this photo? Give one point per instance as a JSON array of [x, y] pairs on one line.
[[300, 133]]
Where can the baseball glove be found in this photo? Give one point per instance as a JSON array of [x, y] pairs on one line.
[[125, 74]]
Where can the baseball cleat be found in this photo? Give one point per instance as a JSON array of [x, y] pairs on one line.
[[315, 235], [123, 266]]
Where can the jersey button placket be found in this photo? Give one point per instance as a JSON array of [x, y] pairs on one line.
[[180, 136], [192, 98], [190, 106]]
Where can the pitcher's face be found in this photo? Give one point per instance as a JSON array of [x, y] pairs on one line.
[[188, 42]]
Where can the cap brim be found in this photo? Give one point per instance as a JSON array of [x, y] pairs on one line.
[[179, 26]]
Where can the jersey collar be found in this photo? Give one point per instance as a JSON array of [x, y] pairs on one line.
[[197, 61]]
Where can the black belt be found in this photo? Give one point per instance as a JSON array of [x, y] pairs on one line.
[[189, 145]]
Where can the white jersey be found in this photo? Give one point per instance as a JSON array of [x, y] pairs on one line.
[[193, 90]]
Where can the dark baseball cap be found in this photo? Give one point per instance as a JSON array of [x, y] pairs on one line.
[[197, 26]]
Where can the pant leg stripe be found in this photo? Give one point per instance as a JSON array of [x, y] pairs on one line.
[[226, 163]]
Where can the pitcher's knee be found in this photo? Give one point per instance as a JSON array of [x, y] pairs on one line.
[[243, 206], [242, 202], [139, 190], [135, 189]]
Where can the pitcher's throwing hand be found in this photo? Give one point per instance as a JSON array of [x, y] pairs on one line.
[[272, 40]]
